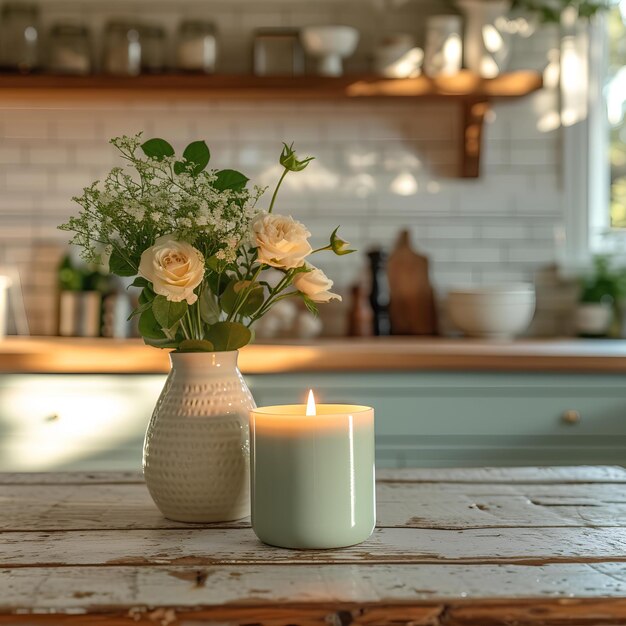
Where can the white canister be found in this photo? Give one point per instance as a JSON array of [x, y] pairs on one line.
[[593, 319], [443, 53], [5, 283]]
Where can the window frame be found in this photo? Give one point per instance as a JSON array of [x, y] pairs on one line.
[[587, 168]]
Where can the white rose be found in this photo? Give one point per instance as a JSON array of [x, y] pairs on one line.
[[316, 285], [175, 269], [281, 241]]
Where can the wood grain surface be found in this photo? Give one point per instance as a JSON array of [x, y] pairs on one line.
[[120, 356], [484, 546]]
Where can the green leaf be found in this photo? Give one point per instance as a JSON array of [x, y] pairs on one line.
[[195, 345], [311, 307], [119, 266], [157, 149], [147, 295], [217, 284], [144, 306], [254, 299], [140, 281], [149, 327], [168, 313], [198, 154], [209, 309], [215, 264], [161, 343], [227, 336], [230, 179]]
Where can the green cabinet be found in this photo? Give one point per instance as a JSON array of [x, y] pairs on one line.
[[57, 422], [457, 419]]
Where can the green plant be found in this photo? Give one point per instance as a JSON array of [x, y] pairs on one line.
[[605, 283], [197, 244], [549, 11]]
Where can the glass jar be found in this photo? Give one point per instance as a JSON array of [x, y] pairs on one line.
[[70, 49], [196, 49], [122, 49], [19, 37], [444, 45], [153, 47]]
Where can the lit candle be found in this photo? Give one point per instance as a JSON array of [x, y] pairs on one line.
[[312, 474]]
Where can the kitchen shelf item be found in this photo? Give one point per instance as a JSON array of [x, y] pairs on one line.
[[153, 48], [70, 50], [472, 93], [277, 52], [397, 57], [411, 296], [330, 45], [443, 53], [196, 47], [379, 292], [122, 49], [5, 283], [19, 37], [486, 47], [495, 312]]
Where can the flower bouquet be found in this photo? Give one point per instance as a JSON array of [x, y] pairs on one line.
[[198, 246]]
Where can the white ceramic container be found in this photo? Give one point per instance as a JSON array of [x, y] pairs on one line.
[[196, 454], [499, 312], [5, 283], [594, 319], [486, 48], [330, 44]]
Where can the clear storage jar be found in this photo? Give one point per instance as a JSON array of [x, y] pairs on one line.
[[196, 47], [70, 50], [122, 49], [19, 37]]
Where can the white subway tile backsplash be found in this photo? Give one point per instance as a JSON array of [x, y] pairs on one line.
[[26, 180], [478, 254], [504, 231], [50, 155], [451, 231], [530, 252]]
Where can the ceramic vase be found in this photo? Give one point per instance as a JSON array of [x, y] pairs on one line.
[[485, 47], [196, 450]]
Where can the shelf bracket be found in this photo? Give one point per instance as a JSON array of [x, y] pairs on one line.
[[473, 113]]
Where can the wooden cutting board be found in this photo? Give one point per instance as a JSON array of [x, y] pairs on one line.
[[412, 301]]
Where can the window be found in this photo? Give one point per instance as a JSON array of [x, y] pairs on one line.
[[603, 203], [615, 96]]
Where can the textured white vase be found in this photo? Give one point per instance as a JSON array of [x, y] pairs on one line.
[[196, 452]]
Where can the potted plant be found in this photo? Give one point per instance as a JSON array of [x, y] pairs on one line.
[[601, 292]]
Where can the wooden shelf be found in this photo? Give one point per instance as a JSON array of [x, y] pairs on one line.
[[472, 92]]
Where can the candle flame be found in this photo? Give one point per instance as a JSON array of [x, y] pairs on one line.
[[310, 404]]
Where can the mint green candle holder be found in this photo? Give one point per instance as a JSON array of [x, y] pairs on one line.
[[312, 476]]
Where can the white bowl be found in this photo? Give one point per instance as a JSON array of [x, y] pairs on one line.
[[330, 44], [498, 312]]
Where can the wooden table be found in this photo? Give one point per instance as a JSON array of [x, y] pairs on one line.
[[453, 547]]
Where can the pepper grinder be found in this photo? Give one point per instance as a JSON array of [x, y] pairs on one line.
[[379, 292]]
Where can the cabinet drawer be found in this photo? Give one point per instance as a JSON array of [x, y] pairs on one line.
[[478, 419], [74, 422]]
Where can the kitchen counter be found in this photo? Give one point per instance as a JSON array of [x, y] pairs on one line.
[[61, 355]]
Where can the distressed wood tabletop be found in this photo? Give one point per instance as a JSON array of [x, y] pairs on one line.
[[452, 547]]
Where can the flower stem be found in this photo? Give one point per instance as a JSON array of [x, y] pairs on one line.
[[276, 190]]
